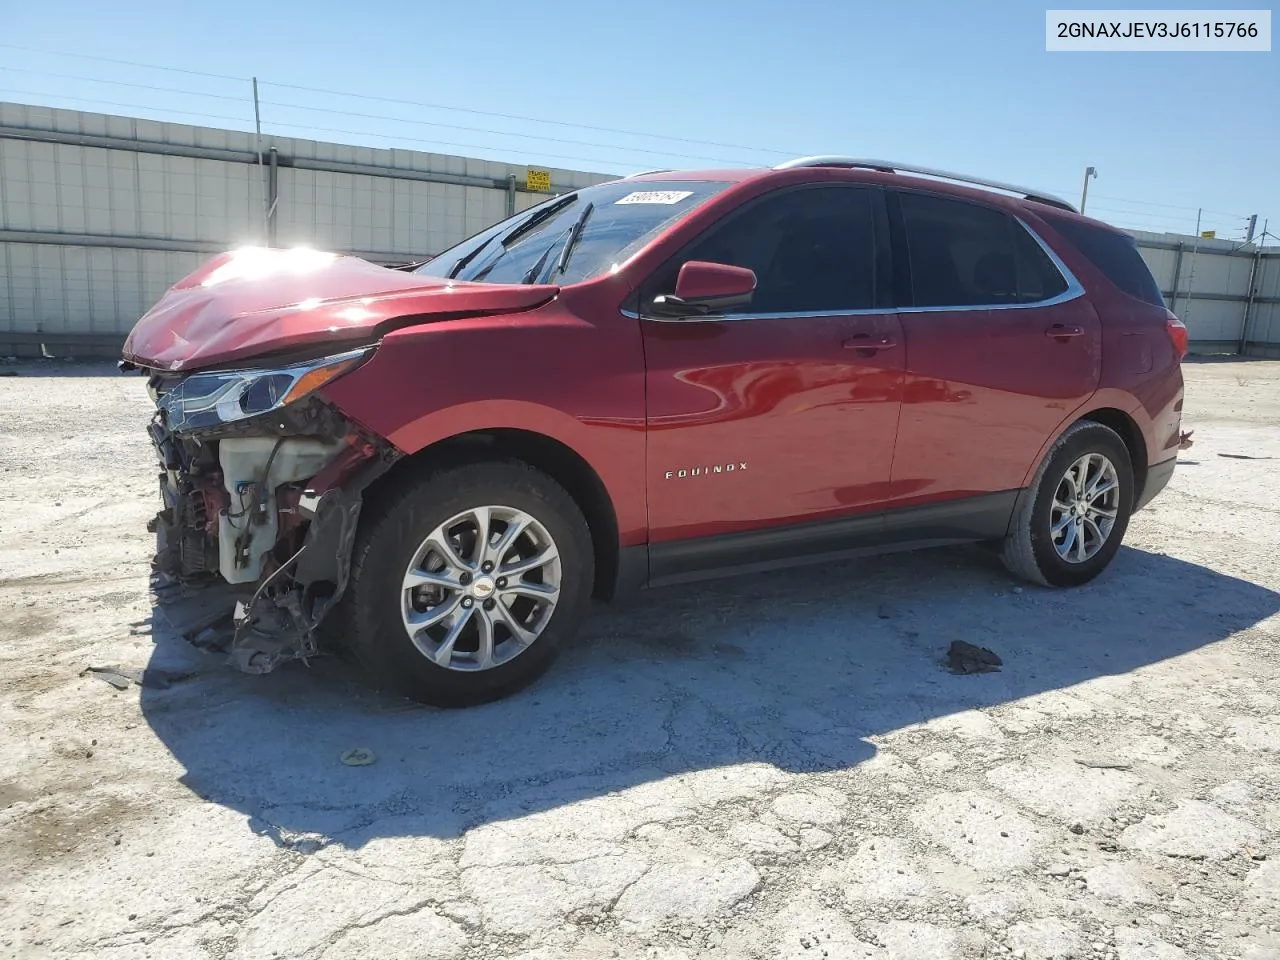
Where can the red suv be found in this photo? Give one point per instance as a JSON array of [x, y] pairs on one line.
[[649, 381]]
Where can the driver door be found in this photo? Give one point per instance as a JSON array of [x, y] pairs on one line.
[[786, 410]]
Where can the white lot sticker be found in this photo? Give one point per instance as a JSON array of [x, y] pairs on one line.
[[655, 196]]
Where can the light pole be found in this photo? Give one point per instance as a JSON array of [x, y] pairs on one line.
[[1084, 194]]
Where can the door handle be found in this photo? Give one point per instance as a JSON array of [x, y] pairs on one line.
[[863, 343], [1060, 331]]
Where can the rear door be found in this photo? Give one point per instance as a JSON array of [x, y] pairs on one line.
[[1002, 347], [787, 409]]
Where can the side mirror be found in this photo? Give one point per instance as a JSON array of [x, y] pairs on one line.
[[704, 289]]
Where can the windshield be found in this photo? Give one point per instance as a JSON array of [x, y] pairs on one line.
[[531, 247]]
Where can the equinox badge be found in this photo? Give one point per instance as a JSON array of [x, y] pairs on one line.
[[706, 471]]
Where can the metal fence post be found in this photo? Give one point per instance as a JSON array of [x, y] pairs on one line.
[[273, 196], [257, 146], [1191, 274], [1254, 267], [1177, 277]]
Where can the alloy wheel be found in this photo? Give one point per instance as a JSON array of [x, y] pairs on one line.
[[481, 588], [1085, 506]]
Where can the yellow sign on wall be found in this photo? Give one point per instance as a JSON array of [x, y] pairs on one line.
[[1208, 234], [539, 180]]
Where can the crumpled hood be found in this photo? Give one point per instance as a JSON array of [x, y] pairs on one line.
[[256, 301]]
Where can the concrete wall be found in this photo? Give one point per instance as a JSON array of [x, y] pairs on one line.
[[100, 214]]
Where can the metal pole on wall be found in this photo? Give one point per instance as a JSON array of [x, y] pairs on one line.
[[1177, 277], [257, 146], [1084, 194], [273, 195], [1191, 273], [1255, 280], [1255, 263], [511, 194]]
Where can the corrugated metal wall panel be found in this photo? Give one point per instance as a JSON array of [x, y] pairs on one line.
[[1162, 264], [1268, 280], [1264, 327], [113, 197], [363, 213], [1212, 320], [88, 190], [67, 290], [1264, 321], [61, 286], [1213, 287], [1216, 273]]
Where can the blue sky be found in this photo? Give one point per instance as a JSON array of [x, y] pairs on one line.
[[960, 86]]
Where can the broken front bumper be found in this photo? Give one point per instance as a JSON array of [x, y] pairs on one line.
[[264, 510]]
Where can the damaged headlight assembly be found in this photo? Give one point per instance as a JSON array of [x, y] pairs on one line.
[[216, 397], [262, 485]]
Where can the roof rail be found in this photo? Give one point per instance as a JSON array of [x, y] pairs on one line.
[[887, 166], [645, 173]]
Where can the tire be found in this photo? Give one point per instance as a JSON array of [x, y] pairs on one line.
[[1031, 550], [379, 606]]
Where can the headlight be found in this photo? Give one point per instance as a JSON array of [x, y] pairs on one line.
[[223, 396]]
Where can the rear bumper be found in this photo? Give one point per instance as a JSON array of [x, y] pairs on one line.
[[1158, 475]]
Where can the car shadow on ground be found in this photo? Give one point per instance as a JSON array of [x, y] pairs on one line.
[[795, 669]]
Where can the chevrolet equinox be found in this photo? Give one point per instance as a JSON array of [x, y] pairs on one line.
[[643, 382]]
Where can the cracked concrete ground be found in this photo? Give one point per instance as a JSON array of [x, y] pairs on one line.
[[769, 767]]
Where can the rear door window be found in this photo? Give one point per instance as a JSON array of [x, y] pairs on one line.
[[1116, 255], [1038, 278], [965, 255]]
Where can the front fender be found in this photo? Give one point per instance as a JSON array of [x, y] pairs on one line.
[[548, 373], [443, 424]]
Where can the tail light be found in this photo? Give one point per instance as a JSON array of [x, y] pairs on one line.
[[1178, 334]]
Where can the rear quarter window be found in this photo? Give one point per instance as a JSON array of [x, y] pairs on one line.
[[1116, 255], [964, 254]]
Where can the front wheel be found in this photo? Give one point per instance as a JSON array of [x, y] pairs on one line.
[[464, 585], [1071, 521]]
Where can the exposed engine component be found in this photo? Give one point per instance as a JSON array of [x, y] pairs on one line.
[[191, 492], [253, 469], [269, 507]]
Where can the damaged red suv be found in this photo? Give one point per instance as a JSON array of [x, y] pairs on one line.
[[649, 381]]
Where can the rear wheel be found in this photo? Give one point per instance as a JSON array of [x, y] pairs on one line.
[[1072, 520], [464, 585]]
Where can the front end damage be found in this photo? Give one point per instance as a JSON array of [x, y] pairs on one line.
[[261, 487]]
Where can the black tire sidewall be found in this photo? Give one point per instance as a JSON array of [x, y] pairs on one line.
[[1096, 438], [379, 639]]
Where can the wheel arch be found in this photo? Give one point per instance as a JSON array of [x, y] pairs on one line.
[[1129, 431], [1111, 415], [545, 453]]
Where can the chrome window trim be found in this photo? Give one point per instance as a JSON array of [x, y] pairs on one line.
[[719, 317], [1074, 290]]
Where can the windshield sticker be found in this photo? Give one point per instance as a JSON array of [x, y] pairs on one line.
[[655, 196]]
